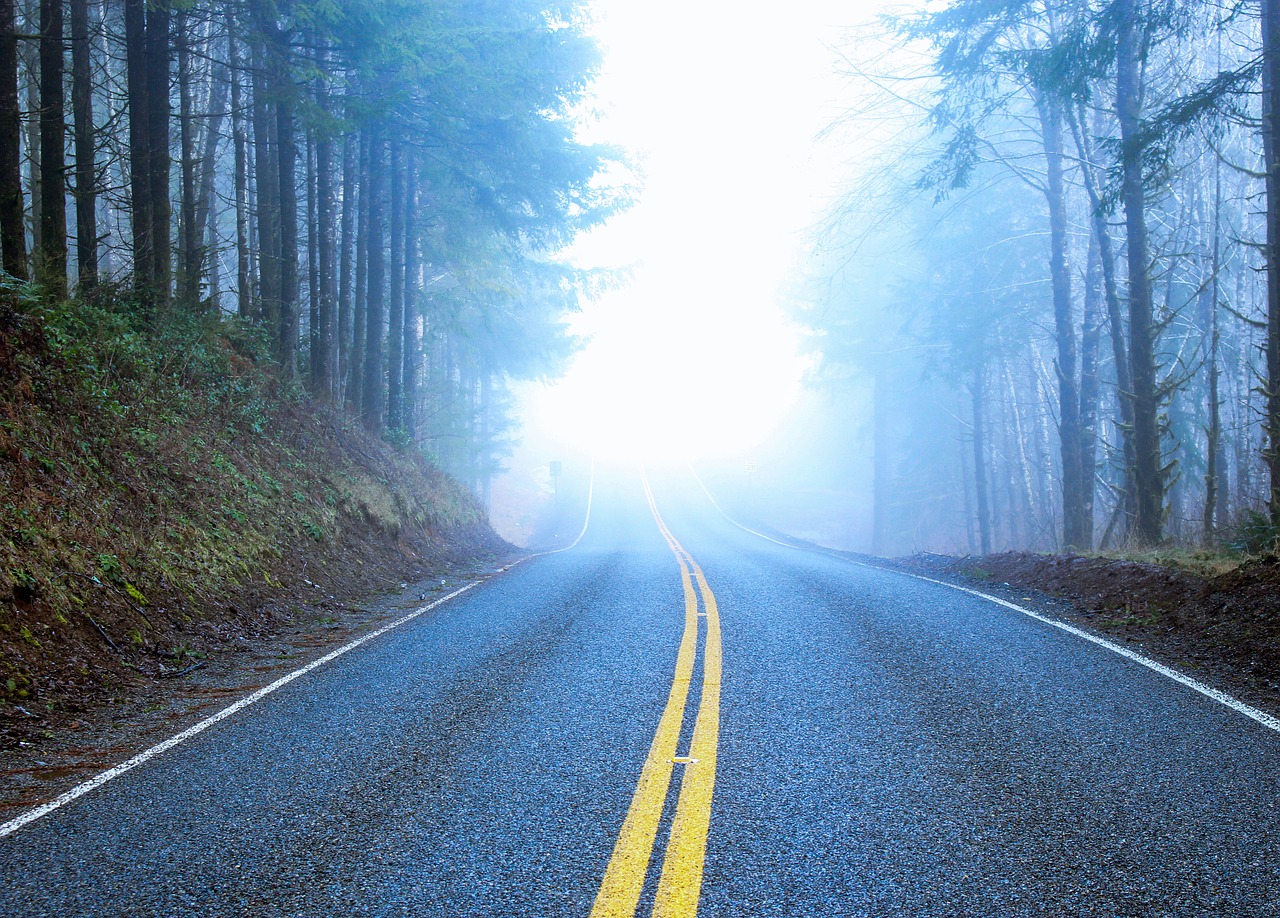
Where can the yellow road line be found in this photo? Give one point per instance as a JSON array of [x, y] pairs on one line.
[[681, 879]]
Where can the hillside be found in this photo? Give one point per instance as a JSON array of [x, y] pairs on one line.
[[165, 499]]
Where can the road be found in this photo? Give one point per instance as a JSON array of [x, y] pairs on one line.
[[676, 714]]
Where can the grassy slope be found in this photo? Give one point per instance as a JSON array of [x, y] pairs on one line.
[[161, 496]]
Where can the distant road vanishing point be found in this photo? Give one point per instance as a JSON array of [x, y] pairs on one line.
[[674, 717]]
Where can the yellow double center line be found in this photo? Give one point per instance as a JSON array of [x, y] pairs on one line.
[[681, 879]]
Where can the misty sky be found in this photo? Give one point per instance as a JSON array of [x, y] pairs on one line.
[[722, 106]]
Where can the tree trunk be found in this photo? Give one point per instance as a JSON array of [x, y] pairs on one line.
[[239, 134], [290, 283], [266, 177], [395, 310], [1148, 475], [412, 347], [139, 145], [1115, 321], [189, 272], [158, 158], [51, 256], [1271, 158], [327, 356], [359, 319], [374, 385], [13, 232], [86, 193], [346, 338], [1090, 388], [1073, 509], [316, 359], [980, 460], [206, 202]]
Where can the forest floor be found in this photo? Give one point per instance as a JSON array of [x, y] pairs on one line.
[[1219, 626], [177, 528]]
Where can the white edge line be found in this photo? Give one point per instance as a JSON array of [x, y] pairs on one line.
[[141, 758], [1271, 723]]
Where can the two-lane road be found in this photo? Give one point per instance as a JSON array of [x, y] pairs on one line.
[[676, 713]]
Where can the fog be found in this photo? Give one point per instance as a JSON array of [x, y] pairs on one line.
[[865, 295]]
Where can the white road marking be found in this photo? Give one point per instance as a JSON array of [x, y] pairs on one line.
[[80, 790], [141, 758], [1235, 704]]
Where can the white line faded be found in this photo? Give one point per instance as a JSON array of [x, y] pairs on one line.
[[1235, 704]]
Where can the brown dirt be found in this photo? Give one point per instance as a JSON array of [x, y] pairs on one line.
[[1222, 629]]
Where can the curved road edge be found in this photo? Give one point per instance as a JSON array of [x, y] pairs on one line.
[[1223, 698]]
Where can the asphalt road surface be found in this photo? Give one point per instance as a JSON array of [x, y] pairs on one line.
[[676, 715]]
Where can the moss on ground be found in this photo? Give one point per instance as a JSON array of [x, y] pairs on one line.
[[161, 493]]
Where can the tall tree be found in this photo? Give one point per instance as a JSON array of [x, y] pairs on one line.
[[13, 234], [86, 187], [51, 256]]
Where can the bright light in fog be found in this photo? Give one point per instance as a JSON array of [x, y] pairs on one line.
[[721, 103]]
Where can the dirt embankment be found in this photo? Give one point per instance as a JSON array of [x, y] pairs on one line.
[[1223, 628], [167, 505]]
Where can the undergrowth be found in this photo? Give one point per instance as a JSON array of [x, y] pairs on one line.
[[157, 484]]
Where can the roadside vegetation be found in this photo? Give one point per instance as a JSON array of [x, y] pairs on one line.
[[165, 495]]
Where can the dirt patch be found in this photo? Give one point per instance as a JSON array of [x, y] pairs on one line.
[[1222, 629]]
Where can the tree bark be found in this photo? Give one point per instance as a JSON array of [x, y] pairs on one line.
[[412, 347], [1073, 512], [1271, 158], [326, 358], [239, 135], [86, 191], [51, 256], [374, 385], [395, 310], [13, 232], [158, 158], [189, 272], [346, 339], [266, 177], [290, 282], [1148, 474], [976, 391], [139, 145]]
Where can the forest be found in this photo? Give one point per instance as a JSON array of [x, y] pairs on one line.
[[1059, 283], [375, 188]]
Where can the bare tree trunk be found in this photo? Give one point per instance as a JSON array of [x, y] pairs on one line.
[[412, 348], [1271, 157], [244, 276], [51, 255], [290, 283], [189, 272], [359, 321], [13, 232], [346, 340], [375, 318], [395, 311], [977, 393], [1073, 511], [86, 193], [1115, 321], [158, 158], [315, 368], [1148, 474], [207, 211], [1090, 388], [266, 177], [326, 359]]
